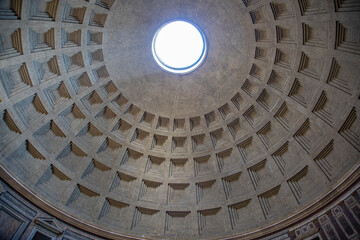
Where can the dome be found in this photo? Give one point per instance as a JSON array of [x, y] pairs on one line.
[[259, 137]]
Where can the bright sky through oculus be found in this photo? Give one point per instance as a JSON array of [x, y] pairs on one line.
[[179, 47]]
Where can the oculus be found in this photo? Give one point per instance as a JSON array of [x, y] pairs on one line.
[[179, 47]]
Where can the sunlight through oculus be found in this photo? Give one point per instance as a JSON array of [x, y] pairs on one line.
[[179, 47]]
